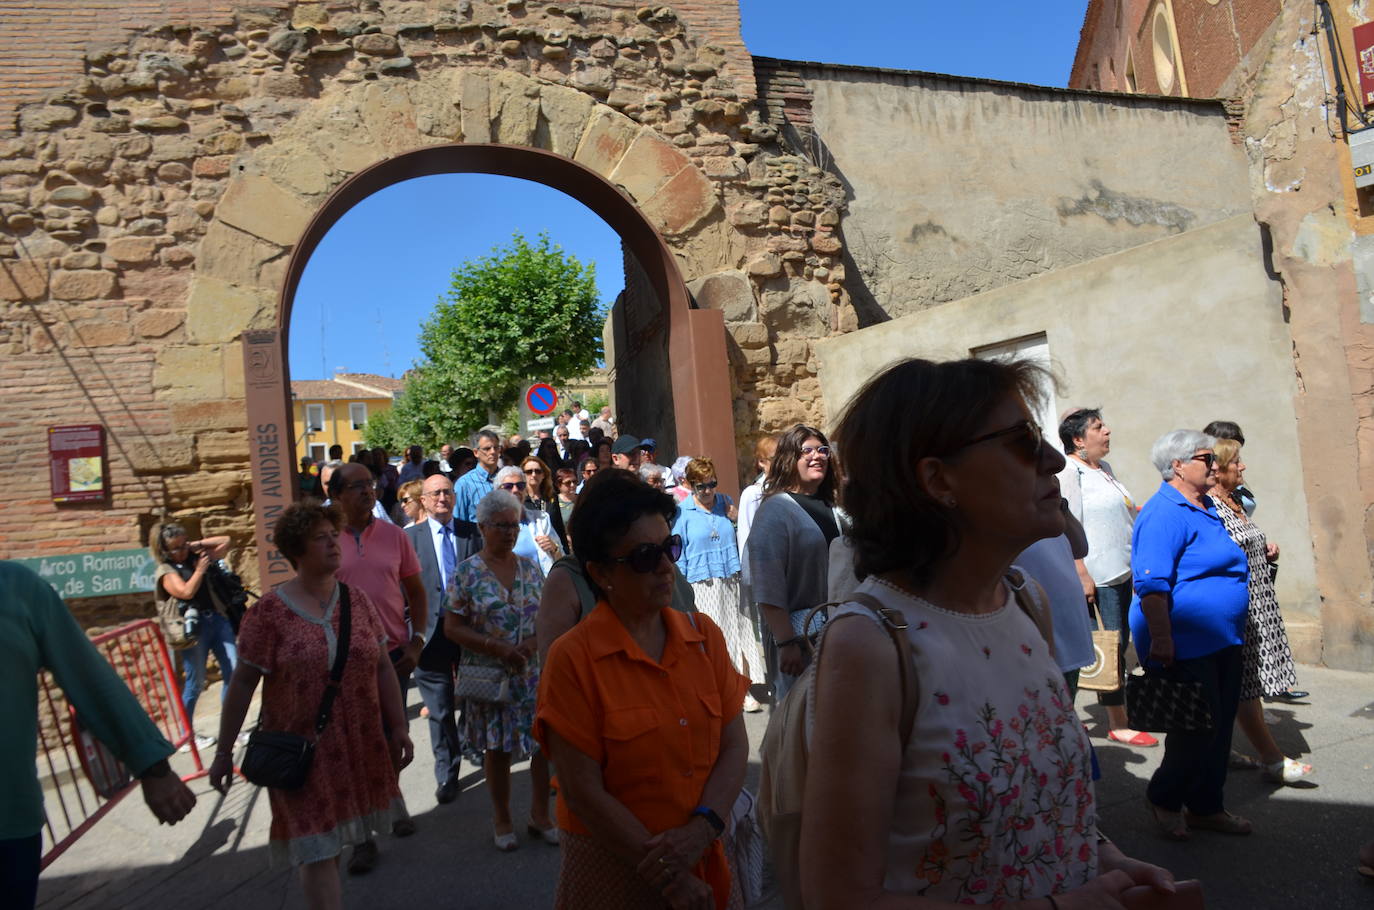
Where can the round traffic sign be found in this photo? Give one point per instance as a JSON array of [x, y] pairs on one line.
[[541, 398]]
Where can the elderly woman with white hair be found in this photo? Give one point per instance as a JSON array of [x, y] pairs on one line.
[[538, 541], [492, 601], [1188, 621]]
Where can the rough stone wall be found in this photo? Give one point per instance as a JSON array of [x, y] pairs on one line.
[[958, 186], [150, 198]]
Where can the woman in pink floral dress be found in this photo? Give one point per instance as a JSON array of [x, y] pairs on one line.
[[990, 799], [288, 639]]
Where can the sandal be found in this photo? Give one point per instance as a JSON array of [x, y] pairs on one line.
[[1223, 822], [1141, 738], [1288, 771], [1173, 825], [1239, 761]]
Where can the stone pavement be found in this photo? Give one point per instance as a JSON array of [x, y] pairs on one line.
[[1301, 855]]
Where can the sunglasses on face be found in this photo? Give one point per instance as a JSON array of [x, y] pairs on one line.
[[513, 487], [1207, 458], [537, 472], [509, 527], [808, 451], [644, 558], [705, 487], [1024, 437], [588, 472]]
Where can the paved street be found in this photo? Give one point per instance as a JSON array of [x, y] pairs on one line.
[[1302, 854]]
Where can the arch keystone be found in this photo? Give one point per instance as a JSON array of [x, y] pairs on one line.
[[607, 138], [648, 164]]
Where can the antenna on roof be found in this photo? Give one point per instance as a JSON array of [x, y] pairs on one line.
[[324, 373]]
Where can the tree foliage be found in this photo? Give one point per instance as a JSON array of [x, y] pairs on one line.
[[521, 314]]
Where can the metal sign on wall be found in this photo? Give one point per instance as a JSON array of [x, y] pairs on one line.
[[1362, 157], [1364, 62], [76, 460], [95, 574]]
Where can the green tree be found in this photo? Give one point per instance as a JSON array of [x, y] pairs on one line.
[[522, 313]]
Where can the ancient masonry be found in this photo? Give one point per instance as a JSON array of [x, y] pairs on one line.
[[149, 204]]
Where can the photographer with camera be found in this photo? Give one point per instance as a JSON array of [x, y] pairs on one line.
[[181, 576]]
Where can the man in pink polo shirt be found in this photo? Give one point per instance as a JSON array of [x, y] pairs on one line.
[[379, 558]]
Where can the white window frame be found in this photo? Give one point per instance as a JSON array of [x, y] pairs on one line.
[[313, 425], [1035, 348], [358, 447], [353, 414], [319, 452]]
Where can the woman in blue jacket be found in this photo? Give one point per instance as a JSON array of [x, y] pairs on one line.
[[710, 561], [1188, 617]]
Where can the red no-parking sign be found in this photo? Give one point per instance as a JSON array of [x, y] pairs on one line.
[[542, 399]]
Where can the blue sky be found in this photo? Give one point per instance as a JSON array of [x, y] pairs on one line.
[[379, 271]]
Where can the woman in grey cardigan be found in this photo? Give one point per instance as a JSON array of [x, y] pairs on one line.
[[789, 544]]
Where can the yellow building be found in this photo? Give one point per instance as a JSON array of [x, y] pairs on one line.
[[334, 411]]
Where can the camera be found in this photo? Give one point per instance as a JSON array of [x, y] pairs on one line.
[[192, 620]]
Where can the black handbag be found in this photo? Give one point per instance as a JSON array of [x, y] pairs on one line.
[[282, 760], [1164, 704]]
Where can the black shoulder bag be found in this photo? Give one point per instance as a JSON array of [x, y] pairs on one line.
[[282, 760]]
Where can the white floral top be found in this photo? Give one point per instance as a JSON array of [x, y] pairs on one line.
[[995, 799]]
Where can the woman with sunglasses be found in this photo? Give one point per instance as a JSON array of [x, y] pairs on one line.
[[493, 597], [1188, 619], [640, 709], [710, 560], [989, 799], [789, 547], [408, 497], [586, 470], [540, 496], [537, 541], [1107, 512]]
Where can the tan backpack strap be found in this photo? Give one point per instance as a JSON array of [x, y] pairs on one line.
[[1030, 597], [896, 625]]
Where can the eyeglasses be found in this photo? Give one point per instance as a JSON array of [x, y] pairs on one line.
[[1027, 441], [1207, 458], [588, 471], [567, 481], [509, 527], [537, 472], [513, 487], [703, 487], [644, 558], [440, 494], [808, 451], [407, 500]]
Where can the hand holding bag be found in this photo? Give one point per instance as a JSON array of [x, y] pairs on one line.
[[282, 760], [1165, 704], [484, 678], [1105, 673]]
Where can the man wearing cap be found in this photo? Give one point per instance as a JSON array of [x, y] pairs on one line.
[[625, 453], [648, 449]]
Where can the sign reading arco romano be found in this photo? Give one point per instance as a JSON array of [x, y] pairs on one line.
[[95, 574]]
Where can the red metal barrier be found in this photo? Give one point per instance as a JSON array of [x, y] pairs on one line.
[[84, 781]]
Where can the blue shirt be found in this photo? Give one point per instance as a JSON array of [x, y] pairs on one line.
[[704, 555], [1184, 552], [469, 490]]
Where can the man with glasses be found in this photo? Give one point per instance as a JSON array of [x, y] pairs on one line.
[[475, 484], [378, 558], [441, 542]]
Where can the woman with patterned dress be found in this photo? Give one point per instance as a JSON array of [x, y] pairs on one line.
[[492, 599], [1266, 660], [710, 560], [288, 639], [990, 799]]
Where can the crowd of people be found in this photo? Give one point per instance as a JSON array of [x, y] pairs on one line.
[[567, 600]]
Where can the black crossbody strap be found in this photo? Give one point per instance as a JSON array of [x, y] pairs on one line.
[[331, 689]]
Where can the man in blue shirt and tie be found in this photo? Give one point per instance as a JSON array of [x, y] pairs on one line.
[[441, 542]]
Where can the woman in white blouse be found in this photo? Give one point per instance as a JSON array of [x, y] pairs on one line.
[[1107, 512], [990, 798]]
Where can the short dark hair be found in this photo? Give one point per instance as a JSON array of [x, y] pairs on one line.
[[1074, 425], [915, 409], [782, 472], [292, 530], [1225, 429], [609, 503], [430, 468], [485, 434], [336, 480]]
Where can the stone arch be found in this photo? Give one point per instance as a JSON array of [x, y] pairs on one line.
[[635, 180]]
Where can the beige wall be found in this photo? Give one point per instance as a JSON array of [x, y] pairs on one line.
[[959, 186], [1170, 334]]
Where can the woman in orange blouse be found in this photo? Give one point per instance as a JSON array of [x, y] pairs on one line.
[[640, 710]]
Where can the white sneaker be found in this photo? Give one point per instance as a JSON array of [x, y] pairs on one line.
[[751, 705], [202, 742]]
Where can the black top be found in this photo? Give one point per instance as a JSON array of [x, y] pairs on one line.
[[820, 513], [202, 599]]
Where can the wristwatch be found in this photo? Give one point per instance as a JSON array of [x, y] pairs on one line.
[[417, 638], [710, 815]]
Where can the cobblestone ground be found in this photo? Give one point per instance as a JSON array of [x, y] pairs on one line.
[[1301, 855]]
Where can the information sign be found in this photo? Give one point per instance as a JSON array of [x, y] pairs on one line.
[[95, 574], [76, 456]]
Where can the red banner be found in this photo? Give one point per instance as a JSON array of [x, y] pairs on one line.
[[1364, 61], [77, 458]]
